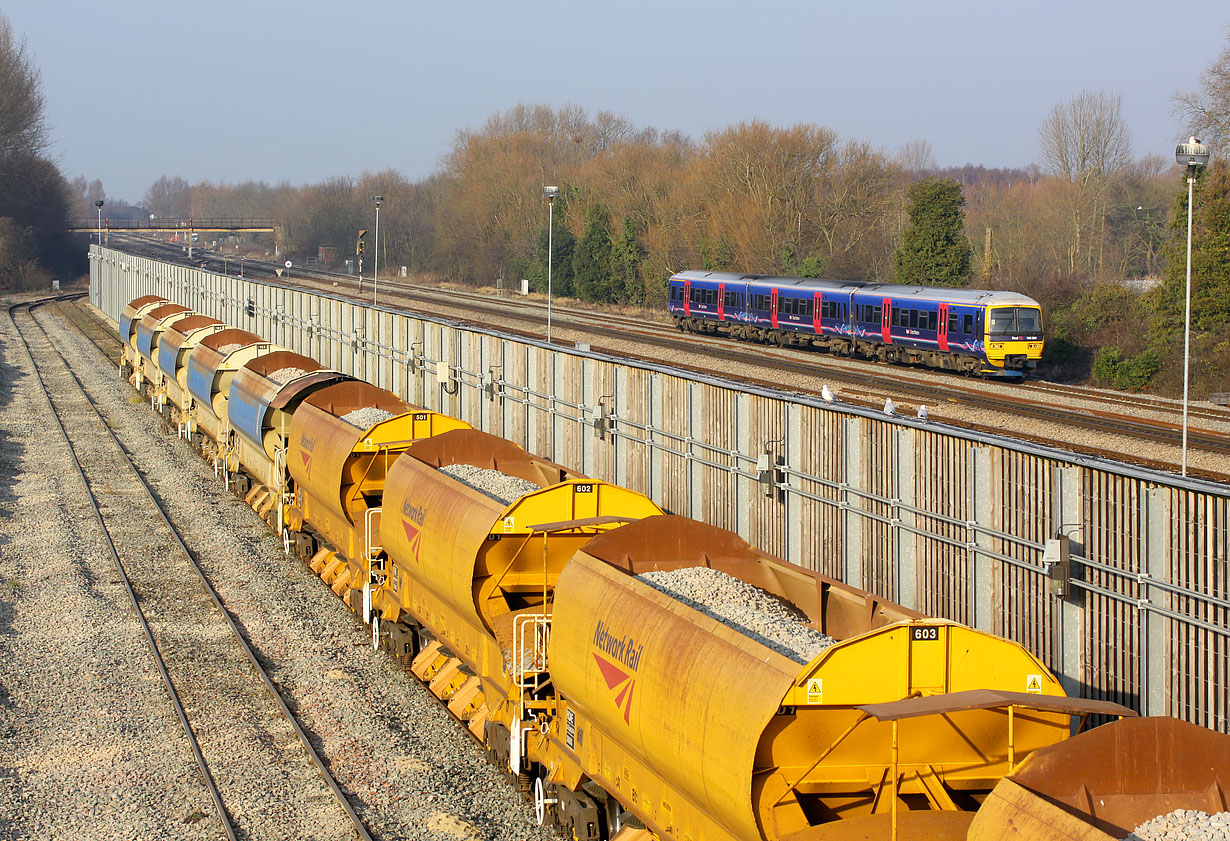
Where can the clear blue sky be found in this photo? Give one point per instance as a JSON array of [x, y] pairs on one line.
[[273, 90]]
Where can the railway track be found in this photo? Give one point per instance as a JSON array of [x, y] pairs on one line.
[[859, 383], [240, 746]]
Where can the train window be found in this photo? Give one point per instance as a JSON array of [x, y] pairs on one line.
[[967, 324], [932, 320], [711, 296], [809, 308], [954, 323], [1028, 320], [914, 318], [1003, 320], [877, 315], [696, 296]]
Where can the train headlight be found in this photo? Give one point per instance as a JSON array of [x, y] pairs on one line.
[[997, 345]]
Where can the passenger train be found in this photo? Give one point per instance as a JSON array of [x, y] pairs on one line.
[[971, 331], [627, 714]]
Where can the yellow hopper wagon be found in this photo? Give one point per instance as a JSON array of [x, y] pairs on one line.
[[145, 342], [477, 532], [211, 367], [343, 441], [264, 395], [130, 318], [698, 727], [174, 345]]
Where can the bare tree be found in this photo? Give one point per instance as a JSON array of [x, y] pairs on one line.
[[1086, 137], [1207, 110], [1084, 142], [169, 197], [22, 127], [916, 156]]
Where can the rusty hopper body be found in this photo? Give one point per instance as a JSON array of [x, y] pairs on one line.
[[261, 406], [130, 319], [704, 732], [1100, 785], [145, 341], [174, 345], [211, 367], [340, 469], [467, 566]]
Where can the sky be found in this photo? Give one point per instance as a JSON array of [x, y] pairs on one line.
[[273, 91]]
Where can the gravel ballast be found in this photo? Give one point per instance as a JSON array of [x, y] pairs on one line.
[[759, 615], [228, 349], [367, 417], [90, 748], [1184, 825], [501, 487], [285, 375]]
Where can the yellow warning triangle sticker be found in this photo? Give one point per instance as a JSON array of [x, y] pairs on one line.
[[815, 690], [1033, 684]]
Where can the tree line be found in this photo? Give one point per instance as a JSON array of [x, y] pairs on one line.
[[1091, 231]]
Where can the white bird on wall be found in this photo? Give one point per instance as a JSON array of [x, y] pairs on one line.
[[923, 414], [890, 408], [827, 394]]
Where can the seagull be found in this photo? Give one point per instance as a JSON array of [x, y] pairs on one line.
[[827, 394], [922, 413], [890, 408]]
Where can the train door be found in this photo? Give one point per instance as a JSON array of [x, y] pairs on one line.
[[773, 307], [687, 297], [941, 333], [721, 302], [818, 304], [886, 321]]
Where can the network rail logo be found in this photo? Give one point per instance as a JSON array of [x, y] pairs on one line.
[[621, 651], [412, 522], [307, 447]]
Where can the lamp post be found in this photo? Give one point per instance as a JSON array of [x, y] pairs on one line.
[[1192, 154], [99, 205], [550, 193], [376, 249]]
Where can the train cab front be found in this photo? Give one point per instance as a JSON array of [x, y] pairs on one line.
[[1014, 339]]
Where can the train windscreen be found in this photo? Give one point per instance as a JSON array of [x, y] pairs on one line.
[[1014, 321]]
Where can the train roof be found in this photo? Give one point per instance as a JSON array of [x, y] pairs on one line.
[[769, 280], [948, 295]]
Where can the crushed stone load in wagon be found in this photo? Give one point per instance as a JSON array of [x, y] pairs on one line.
[[762, 616], [501, 487], [231, 348], [367, 417], [285, 375], [1184, 825]]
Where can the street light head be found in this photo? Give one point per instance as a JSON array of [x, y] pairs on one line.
[[378, 200], [98, 203], [550, 193], [1192, 153]]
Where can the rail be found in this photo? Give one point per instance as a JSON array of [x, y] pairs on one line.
[[157, 506]]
